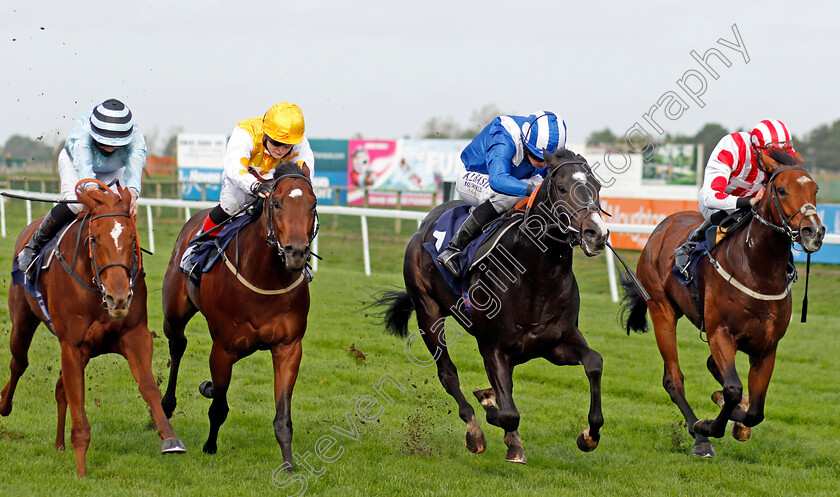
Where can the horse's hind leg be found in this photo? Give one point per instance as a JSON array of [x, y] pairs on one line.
[[576, 351], [487, 399], [432, 326], [61, 404], [723, 349], [286, 359], [665, 328], [24, 324], [221, 366], [739, 431], [499, 372], [136, 346]]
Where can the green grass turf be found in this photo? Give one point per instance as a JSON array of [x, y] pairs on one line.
[[416, 447]]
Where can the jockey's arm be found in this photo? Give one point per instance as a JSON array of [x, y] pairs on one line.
[[238, 152], [303, 156], [499, 163], [716, 179]]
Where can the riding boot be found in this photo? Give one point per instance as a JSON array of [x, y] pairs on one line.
[[472, 226], [683, 252], [49, 227]]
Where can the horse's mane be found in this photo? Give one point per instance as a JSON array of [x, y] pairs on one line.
[[287, 167], [781, 156], [566, 154]]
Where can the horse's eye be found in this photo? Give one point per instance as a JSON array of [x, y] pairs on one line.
[[276, 203], [561, 188], [782, 190]]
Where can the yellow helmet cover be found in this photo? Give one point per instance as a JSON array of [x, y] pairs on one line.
[[284, 123]]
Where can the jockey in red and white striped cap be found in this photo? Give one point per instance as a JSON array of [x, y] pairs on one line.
[[733, 179]]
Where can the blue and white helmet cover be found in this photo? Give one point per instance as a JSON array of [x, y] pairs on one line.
[[544, 132]]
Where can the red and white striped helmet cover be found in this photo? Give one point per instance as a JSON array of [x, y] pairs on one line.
[[769, 131]]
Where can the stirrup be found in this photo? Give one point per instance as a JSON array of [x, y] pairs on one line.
[[449, 261], [307, 271]]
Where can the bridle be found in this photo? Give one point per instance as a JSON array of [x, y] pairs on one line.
[[570, 234], [98, 287], [785, 228], [271, 237]]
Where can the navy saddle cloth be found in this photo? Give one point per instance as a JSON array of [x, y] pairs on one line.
[[199, 258], [445, 227]]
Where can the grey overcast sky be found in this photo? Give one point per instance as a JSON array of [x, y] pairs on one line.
[[383, 68]]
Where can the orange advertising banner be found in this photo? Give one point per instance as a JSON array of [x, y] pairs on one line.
[[640, 211]]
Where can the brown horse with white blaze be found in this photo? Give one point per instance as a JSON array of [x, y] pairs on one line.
[[255, 298], [110, 317], [744, 291]]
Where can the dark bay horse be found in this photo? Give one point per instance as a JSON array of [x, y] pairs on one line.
[[746, 302], [101, 246], [256, 298], [525, 301]]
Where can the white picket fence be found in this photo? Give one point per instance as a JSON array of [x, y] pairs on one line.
[[363, 213]]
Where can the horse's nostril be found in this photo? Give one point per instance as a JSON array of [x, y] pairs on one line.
[[808, 232]]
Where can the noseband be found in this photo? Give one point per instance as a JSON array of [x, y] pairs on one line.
[[271, 238], [785, 228], [98, 288], [571, 235]]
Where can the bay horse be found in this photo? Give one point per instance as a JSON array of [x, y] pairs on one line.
[[523, 307], [256, 298], [745, 296], [100, 246]]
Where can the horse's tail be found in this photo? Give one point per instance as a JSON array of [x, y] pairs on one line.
[[399, 308], [633, 314]]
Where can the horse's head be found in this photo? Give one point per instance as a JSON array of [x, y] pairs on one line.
[[291, 216], [113, 247], [791, 198], [573, 194]]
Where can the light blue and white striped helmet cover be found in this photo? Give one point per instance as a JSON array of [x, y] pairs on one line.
[[544, 132], [111, 123]]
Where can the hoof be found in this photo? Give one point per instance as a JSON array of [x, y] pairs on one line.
[[486, 397], [173, 446], [585, 442], [209, 449], [60, 447], [206, 389], [703, 449], [476, 443], [516, 455], [740, 432], [5, 407]]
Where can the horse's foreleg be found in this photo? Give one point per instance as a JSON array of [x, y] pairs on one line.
[[286, 359], [665, 327], [61, 404], [24, 324], [448, 375], [739, 431], [723, 351], [73, 373], [174, 331], [136, 347], [221, 366], [761, 369], [499, 372], [578, 352]]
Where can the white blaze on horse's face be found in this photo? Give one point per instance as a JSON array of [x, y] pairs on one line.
[[579, 177], [297, 192], [804, 180], [116, 232]]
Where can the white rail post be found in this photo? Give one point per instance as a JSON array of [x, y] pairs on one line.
[[611, 274], [3, 215], [365, 245], [151, 229], [28, 212]]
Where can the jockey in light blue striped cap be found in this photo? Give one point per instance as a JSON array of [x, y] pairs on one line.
[[543, 133]]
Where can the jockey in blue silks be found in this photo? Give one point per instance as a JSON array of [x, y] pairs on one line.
[[503, 163]]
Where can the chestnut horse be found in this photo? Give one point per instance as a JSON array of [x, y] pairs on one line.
[[523, 307], [255, 298], [101, 246], [745, 296]]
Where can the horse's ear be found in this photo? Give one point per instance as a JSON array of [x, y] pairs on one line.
[[800, 161], [770, 165], [550, 159]]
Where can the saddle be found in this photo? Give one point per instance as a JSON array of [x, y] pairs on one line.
[[475, 252], [201, 255]]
